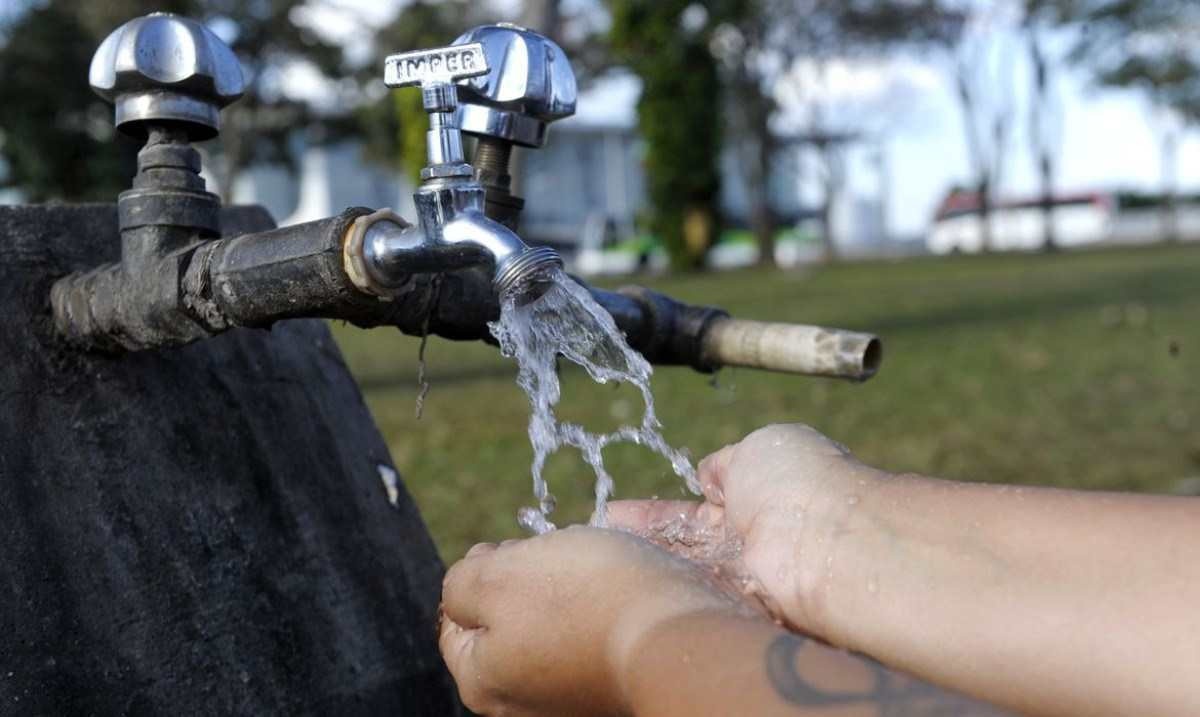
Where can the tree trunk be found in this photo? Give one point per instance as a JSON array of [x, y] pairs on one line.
[[1040, 108], [828, 243], [986, 238], [1170, 208], [758, 162], [233, 150], [1049, 235], [763, 220]]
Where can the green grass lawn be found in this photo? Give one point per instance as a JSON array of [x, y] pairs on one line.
[[1078, 370]]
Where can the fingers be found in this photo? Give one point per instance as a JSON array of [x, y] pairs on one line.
[[460, 649], [455, 642], [462, 587], [713, 471], [640, 516], [480, 549]]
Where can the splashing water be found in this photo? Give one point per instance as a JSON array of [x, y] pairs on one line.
[[567, 321]]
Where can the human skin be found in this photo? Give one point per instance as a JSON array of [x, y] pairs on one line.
[[1045, 601], [585, 621], [545, 626]]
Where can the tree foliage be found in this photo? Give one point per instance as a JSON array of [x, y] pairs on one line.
[[267, 38], [678, 118], [1148, 45], [1145, 44], [56, 135], [759, 41]]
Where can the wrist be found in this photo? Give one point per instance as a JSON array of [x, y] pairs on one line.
[[825, 546], [692, 653], [654, 616]]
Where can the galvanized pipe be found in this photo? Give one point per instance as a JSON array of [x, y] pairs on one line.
[[792, 348], [257, 279]]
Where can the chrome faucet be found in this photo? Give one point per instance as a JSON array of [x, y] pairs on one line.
[[454, 231], [529, 84]]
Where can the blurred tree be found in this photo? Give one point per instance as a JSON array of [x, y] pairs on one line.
[[58, 135], [1148, 45], [545, 16], [665, 42], [758, 41], [983, 63], [267, 38], [1045, 111], [830, 123]]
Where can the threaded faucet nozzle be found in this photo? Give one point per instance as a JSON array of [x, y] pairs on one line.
[[525, 276]]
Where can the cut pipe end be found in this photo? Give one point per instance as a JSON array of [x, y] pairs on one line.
[[872, 358]]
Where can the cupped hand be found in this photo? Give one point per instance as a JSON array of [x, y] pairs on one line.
[[773, 504], [545, 626]]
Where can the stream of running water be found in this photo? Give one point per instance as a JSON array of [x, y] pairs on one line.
[[567, 321]]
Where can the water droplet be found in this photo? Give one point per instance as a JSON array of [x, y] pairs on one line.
[[852, 500], [534, 521], [872, 586]]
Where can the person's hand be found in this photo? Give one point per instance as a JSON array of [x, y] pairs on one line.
[[545, 626], [772, 510]]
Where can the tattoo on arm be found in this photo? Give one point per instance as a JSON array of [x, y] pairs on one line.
[[894, 695]]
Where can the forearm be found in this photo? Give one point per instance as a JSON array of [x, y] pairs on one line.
[[1050, 602], [717, 664]]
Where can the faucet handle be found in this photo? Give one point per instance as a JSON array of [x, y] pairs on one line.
[[166, 68], [530, 84], [436, 71], [438, 66]]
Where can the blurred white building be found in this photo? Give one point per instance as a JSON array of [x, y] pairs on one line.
[[1079, 220]]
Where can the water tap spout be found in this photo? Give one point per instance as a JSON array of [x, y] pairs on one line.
[[454, 231], [450, 237]]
